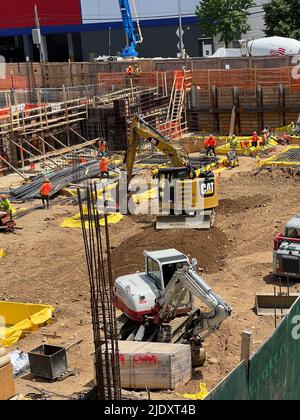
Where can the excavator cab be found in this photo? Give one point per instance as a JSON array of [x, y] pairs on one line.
[[186, 200], [161, 267]]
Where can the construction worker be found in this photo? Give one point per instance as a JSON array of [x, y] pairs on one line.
[[102, 148], [45, 191], [291, 129], [264, 137], [130, 71], [211, 144], [254, 139], [233, 143], [5, 209], [104, 167], [137, 70]]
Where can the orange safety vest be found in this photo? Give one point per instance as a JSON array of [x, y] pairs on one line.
[[46, 189], [104, 165], [211, 142], [102, 147]]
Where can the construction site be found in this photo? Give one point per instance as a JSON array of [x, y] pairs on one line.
[[150, 228]]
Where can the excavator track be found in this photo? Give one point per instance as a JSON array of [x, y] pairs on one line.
[[173, 331]]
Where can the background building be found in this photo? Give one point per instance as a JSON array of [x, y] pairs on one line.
[[78, 28], [256, 20]]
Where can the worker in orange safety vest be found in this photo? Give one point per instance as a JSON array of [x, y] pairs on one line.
[[104, 167], [254, 139], [45, 191], [210, 144], [130, 71]]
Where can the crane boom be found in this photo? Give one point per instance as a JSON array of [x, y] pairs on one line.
[[133, 34]]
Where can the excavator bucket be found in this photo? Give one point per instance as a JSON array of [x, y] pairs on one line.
[[200, 221], [268, 303]]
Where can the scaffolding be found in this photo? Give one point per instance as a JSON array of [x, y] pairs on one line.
[[43, 132]]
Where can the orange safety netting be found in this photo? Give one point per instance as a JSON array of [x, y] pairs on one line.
[[13, 82]]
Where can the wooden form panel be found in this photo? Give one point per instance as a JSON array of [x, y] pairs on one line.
[[255, 109]]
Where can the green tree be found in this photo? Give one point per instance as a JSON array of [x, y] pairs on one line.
[[282, 18], [229, 18]]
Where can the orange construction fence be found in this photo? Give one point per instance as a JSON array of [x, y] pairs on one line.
[[14, 82], [243, 78]]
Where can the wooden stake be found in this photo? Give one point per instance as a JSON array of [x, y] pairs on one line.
[[247, 343]]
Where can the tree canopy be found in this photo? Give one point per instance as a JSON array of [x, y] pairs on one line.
[[228, 18], [282, 18]]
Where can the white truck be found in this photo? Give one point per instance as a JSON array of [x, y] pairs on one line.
[[286, 254], [272, 46]]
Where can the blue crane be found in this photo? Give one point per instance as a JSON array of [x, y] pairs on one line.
[[133, 33]]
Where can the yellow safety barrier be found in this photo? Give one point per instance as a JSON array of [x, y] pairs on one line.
[[20, 210], [75, 221], [68, 192], [280, 160], [244, 147], [20, 318], [200, 396], [145, 196]]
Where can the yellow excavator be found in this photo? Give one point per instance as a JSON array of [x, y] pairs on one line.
[[188, 197]]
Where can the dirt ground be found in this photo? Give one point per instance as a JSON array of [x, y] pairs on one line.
[[45, 264]]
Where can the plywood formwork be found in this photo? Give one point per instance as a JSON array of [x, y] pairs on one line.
[[54, 75]]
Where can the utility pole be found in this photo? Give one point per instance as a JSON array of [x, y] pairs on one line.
[[37, 35], [109, 41], [181, 45]]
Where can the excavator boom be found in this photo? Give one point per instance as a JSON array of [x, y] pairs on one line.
[[187, 279], [139, 128]]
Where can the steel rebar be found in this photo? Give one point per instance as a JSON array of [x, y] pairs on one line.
[[99, 267]]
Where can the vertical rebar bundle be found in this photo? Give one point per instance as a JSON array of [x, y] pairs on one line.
[[98, 257]]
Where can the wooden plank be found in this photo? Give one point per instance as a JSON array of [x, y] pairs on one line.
[[247, 344], [64, 151]]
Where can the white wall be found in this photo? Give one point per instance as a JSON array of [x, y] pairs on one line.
[[94, 11]]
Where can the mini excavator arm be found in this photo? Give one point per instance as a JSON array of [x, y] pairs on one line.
[[141, 129], [187, 279]]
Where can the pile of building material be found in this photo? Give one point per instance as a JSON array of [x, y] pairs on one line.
[[154, 365], [59, 180], [7, 384]]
